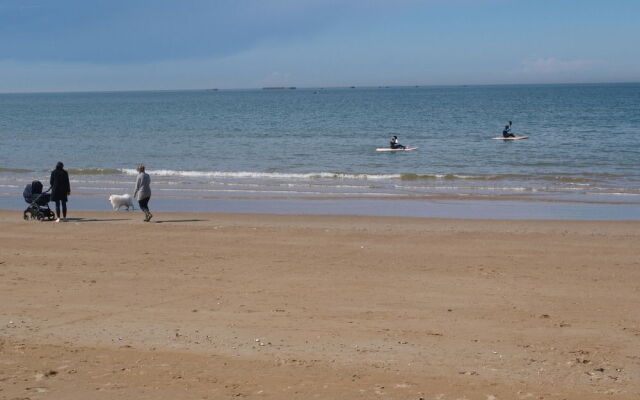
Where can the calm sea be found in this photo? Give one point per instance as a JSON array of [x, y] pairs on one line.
[[584, 142]]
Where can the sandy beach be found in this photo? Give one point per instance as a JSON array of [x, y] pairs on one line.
[[218, 306]]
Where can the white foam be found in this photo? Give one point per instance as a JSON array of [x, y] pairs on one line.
[[264, 175]]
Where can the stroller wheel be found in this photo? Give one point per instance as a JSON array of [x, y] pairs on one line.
[[39, 216], [26, 216], [51, 216]]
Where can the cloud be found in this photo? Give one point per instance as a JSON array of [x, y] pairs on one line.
[[553, 66], [554, 70]]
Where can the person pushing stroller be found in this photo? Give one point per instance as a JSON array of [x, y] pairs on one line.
[[60, 190]]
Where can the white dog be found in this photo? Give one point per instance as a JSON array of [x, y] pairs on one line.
[[118, 201]]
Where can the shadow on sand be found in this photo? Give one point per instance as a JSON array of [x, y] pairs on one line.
[[96, 219], [77, 219], [178, 220]]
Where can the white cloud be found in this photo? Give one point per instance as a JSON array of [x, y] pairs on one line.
[[552, 65]]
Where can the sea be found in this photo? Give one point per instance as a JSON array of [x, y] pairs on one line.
[[313, 150]]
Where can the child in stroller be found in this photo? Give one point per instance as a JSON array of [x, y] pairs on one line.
[[38, 202]]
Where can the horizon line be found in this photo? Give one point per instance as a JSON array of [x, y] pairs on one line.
[[319, 87]]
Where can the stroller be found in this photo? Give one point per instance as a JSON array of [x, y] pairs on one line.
[[38, 202]]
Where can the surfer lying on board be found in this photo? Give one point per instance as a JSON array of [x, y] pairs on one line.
[[506, 132], [395, 144]]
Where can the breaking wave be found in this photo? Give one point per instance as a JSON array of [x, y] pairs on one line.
[[15, 170], [265, 175], [95, 171], [581, 180]]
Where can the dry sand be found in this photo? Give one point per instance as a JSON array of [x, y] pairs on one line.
[[219, 306]]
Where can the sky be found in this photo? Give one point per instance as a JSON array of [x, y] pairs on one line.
[[85, 45]]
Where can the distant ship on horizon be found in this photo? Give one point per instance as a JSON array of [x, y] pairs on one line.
[[278, 87]]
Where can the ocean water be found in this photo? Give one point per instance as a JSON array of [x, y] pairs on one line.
[[583, 146]]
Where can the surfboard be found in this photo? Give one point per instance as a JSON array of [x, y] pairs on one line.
[[389, 149], [511, 138]]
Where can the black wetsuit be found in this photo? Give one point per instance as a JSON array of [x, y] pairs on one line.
[[395, 145], [507, 133]]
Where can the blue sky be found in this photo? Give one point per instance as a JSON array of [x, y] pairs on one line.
[[69, 45]]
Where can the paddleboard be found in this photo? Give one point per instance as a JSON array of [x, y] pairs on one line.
[[511, 138], [389, 149]]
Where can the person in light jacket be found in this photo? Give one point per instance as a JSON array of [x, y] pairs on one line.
[[143, 192], [60, 190]]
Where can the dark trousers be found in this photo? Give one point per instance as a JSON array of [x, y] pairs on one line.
[[64, 208], [144, 204]]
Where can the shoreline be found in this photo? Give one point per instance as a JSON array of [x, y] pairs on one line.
[[338, 223], [374, 223], [436, 206], [297, 306]]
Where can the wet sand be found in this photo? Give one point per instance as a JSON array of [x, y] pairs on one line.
[[295, 307]]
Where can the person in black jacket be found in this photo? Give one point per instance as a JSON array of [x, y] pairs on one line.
[[60, 189]]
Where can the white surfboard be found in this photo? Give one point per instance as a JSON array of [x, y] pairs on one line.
[[389, 149], [511, 138]]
